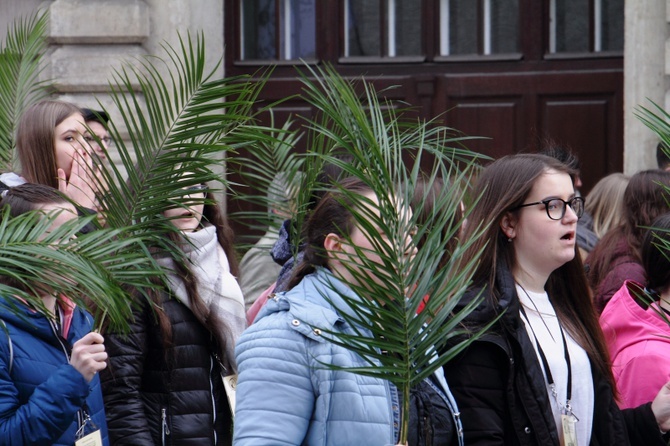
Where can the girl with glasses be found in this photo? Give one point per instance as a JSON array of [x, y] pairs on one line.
[[541, 374]]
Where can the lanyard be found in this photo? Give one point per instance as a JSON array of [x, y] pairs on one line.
[[567, 408]]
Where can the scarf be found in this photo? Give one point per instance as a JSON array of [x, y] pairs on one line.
[[217, 287]]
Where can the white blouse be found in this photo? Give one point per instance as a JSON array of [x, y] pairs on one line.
[[542, 325]]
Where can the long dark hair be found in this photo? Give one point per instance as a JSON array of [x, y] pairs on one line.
[[331, 215], [35, 136], [645, 198], [213, 215], [501, 187], [654, 255]]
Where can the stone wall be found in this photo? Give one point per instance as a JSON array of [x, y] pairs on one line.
[[646, 70]]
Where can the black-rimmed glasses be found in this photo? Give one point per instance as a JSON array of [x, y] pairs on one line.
[[106, 140], [555, 207]]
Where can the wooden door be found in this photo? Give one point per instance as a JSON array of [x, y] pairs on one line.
[[514, 72]]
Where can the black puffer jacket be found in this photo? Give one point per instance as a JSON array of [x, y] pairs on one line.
[[501, 391], [165, 396]]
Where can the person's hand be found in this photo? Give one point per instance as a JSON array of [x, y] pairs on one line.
[[80, 187], [89, 355], [661, 407]]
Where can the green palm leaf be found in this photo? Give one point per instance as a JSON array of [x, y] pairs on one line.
[[373, 141], [180, 121], [92, 268], [20, 67]]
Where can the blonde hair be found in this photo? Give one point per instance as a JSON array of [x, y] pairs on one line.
[[605, 202]]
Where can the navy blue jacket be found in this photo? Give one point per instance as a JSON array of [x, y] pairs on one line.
[[42, 397]]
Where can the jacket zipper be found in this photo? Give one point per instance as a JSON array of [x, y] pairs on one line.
[[165, 429], [59, 338], [211, 394]]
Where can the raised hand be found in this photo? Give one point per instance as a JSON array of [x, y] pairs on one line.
[[89, 355]]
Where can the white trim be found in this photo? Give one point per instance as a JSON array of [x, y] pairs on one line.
[[445, 48], [597, 26], [391, 25], [288, 28], [552, 26], [487, 27]]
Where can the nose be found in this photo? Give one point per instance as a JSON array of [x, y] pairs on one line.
[[570, 214]]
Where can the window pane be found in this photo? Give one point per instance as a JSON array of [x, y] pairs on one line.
[[407, 27], [259, 29], [463, 27], [505, 26], [612, 25], [289, 31], [571, 25], [363, 33]]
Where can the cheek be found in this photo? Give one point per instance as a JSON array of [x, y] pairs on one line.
[[64, 154]]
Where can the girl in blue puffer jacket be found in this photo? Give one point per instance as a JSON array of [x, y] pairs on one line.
[[49, 388], [285, 395]]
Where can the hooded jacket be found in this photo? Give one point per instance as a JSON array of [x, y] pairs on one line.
[[638, 339], [42, 397], [284, 393], [302, 402], [501, 390]]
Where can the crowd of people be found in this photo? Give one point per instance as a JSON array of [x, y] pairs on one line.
[[572, 294]]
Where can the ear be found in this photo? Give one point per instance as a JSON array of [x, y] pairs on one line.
[[332, 243], [508, 225]]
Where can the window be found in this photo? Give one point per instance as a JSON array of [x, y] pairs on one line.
[[580, 26], [277, 29], [479, 27], [386, 28]]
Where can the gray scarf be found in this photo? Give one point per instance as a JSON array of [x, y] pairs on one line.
[[217, 287]]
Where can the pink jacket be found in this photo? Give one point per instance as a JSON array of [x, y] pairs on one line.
[[639, 344]]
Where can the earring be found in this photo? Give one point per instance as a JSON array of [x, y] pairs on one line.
[[509, 239]]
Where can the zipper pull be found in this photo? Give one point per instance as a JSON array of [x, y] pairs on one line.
[[166, 428]]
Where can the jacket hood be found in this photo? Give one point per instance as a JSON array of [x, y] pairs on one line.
[[19, 314], [317, 301], [625, 322]]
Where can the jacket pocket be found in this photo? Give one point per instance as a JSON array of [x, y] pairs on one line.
[[165, 427]]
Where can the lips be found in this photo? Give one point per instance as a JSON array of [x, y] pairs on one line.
[[569, 236]]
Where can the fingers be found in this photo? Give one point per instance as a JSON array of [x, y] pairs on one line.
[[62, 181], [80, 186], [89, 355]]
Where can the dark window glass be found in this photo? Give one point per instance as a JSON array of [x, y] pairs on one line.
[[612, 25], [278, 29], [463, 27], [504, 26]]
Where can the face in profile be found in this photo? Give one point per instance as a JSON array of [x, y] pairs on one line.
[[101, 132], [186, 216], [373, 243], [68, 140]]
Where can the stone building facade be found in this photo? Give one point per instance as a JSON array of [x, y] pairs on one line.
[[89, 39]]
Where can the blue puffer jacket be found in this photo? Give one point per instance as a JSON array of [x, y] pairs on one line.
[[285, 396], [41, 399]]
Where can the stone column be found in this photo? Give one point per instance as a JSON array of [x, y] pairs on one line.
[[645, 67]]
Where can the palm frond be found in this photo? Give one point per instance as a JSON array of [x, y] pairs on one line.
[[20, 68], [97, 268], [180, 126], [373, 141]]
